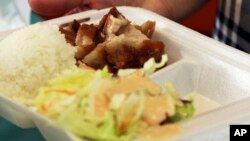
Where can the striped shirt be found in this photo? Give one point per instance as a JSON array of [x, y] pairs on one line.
[[232, 25]]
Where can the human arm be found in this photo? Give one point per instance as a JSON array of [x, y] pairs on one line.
[[173, 9]]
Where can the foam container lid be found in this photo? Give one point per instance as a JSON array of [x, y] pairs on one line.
[[219, 73]]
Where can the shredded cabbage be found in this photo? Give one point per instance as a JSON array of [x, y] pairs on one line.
[[94, 106], [70, 98], [183, 109], [149, 67]]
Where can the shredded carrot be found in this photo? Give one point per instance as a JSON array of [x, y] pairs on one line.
[[44, 108], [67, 92]]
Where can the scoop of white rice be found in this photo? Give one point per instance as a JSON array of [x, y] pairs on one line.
[[31, 56]]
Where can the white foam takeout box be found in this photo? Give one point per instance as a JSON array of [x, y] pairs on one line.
[[196, 63]]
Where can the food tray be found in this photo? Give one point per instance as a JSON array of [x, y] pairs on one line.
[[196, 63]]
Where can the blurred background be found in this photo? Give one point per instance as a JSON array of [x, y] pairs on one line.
[[13, 14], [16, 13], [203, 20]]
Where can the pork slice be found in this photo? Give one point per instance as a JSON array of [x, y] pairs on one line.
[[97, 57], [147, 28], [122, 50], [86, 35], [83, 50], [132, 49]]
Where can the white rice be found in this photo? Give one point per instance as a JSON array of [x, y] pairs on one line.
[[31, 56]]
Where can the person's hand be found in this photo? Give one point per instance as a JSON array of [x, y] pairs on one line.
[[56, 8], [173, 9], [53, 8]]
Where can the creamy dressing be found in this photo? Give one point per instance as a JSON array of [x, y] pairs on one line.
[[166, 132], [132, 83], [203, 104], [156, 109]]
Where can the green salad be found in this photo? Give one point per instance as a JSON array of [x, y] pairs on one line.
[[97, 106]]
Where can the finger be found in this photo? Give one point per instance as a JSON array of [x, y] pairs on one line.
[[53, 8]]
